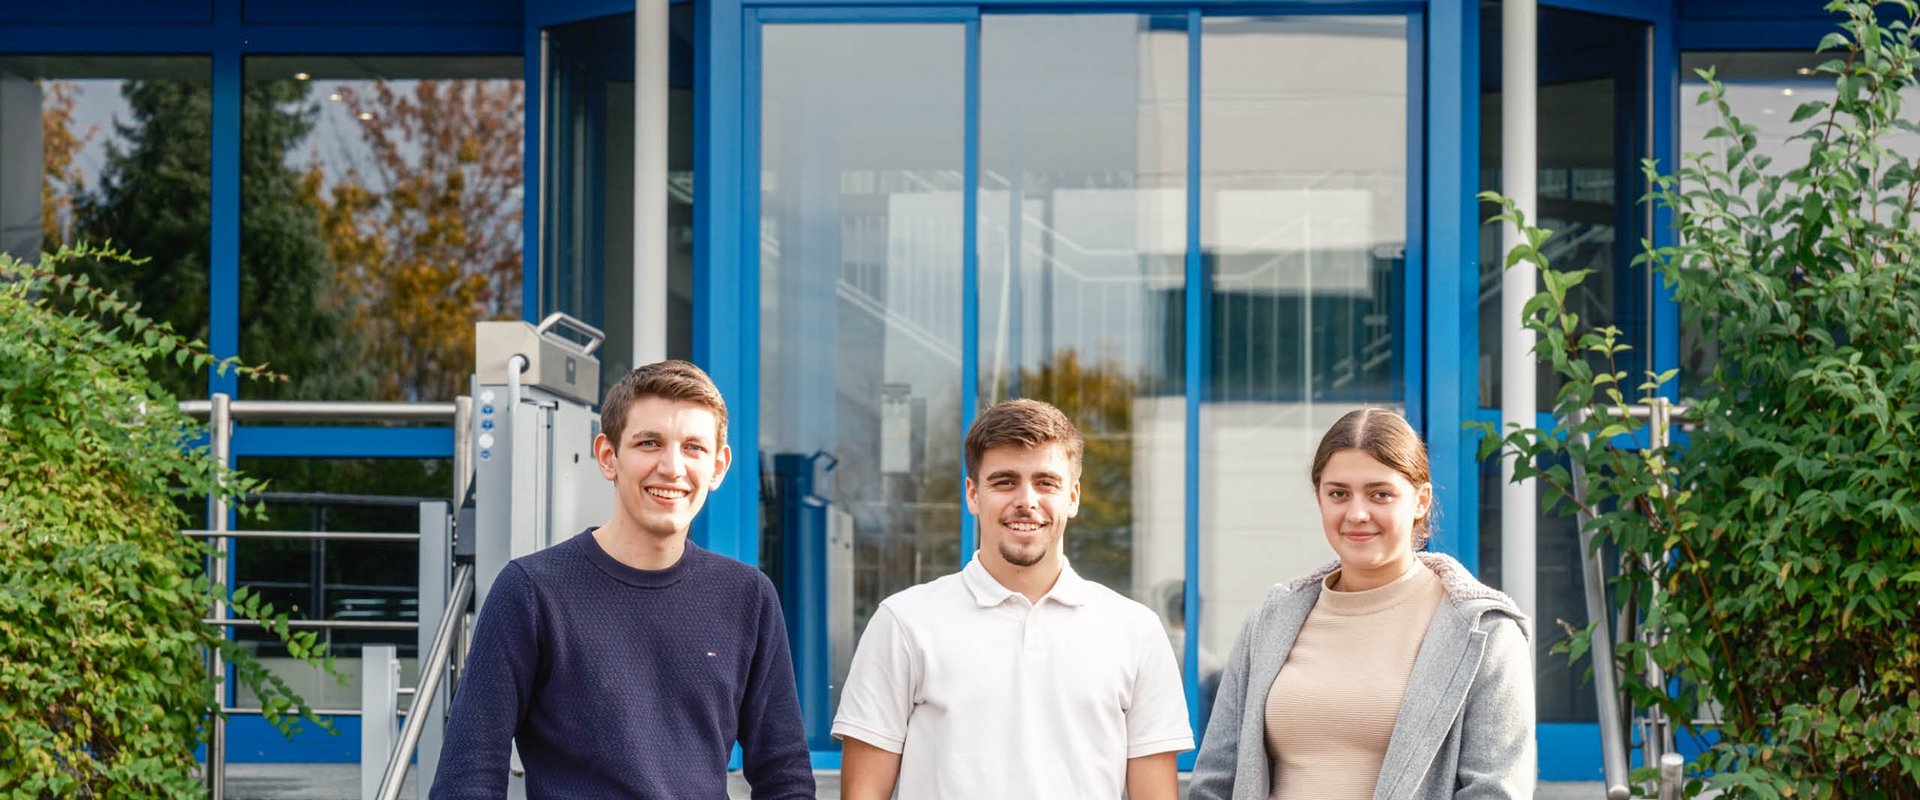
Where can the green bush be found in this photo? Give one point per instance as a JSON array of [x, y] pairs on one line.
[[104, 687], [1777, 551]]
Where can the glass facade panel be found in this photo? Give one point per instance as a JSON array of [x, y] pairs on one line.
[[1303, 192], [1082, 242], [97, 148], [861, 165], [381, 202], [587, 236], [343, 581]]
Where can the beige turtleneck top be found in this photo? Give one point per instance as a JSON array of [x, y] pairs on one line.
[[1331, 710]]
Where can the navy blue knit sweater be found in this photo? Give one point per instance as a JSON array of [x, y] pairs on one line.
[[620, 682]]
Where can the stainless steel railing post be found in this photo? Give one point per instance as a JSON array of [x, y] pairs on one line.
[[431, 672], [222, 425]]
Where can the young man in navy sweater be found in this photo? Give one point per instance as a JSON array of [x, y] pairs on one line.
[[626, 661]]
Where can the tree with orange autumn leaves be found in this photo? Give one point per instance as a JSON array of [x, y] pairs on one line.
[[424, 235]]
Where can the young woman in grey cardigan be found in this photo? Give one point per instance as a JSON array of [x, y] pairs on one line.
[[1389, 674]]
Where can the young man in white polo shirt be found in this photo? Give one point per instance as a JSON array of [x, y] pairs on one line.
[[1014, 678]]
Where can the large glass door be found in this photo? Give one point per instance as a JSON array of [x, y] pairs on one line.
[[1593, 129], [1187, 231]]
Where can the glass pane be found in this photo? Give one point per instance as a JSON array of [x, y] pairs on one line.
[[1303, 191], [860, 190], [588, 236], [1082, 242], [380, 218], [1763, 90], [342, 581], [97, 148]]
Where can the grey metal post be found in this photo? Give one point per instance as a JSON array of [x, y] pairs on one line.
[[462, 448], [1670, 776], [221, 424], [1656, 732], [651, 92], [379, 680], [435, 572], [1519, 161]]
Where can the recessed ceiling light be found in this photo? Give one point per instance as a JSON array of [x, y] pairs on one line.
[[335, 97], [1786, 92], [366, 115], [301, 76], [1804, 70], [1766, 111]]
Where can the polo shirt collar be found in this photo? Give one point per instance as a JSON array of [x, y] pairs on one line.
[[1070, 589]]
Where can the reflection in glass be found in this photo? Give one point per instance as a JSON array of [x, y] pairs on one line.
[[587, 209], [1303, 192], [1592, 130], [345, 581], [861, 168], [380, 218], [1764, 90], [1082, 245], [97, 148]]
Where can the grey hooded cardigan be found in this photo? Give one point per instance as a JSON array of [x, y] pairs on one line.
[[1465, 727]]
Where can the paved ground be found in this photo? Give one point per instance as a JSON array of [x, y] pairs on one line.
[[342, 782]]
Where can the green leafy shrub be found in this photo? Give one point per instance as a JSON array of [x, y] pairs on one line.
[[104, 687], [1777, 552]]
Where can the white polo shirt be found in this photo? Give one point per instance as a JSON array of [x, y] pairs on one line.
[[986, 695]]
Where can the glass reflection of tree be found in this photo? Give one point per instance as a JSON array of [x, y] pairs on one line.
[[425, 238], [1098, 397]]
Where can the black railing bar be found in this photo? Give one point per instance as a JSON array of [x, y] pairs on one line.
[[335, 499], [326, 536]]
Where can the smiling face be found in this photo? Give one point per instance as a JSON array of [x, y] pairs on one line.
[[668, 458], [1369, 511], [1023, 499]]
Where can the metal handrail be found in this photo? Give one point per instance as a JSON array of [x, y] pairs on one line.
[[325, 410], [221, 411], [320, 624], [431, 673], [1613, 747]]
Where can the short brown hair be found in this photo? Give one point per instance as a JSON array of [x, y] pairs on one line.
[[1023, 423], [1388, 438], [672, 379]]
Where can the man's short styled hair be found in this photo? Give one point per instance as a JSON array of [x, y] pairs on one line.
[[1023, 423], [672, 379]]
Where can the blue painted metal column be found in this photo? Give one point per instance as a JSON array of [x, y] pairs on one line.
[[1664, 90], [726, 287], [223, 325], [1453, 272], [1199, 292], [1410, 308], [970, 268]]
